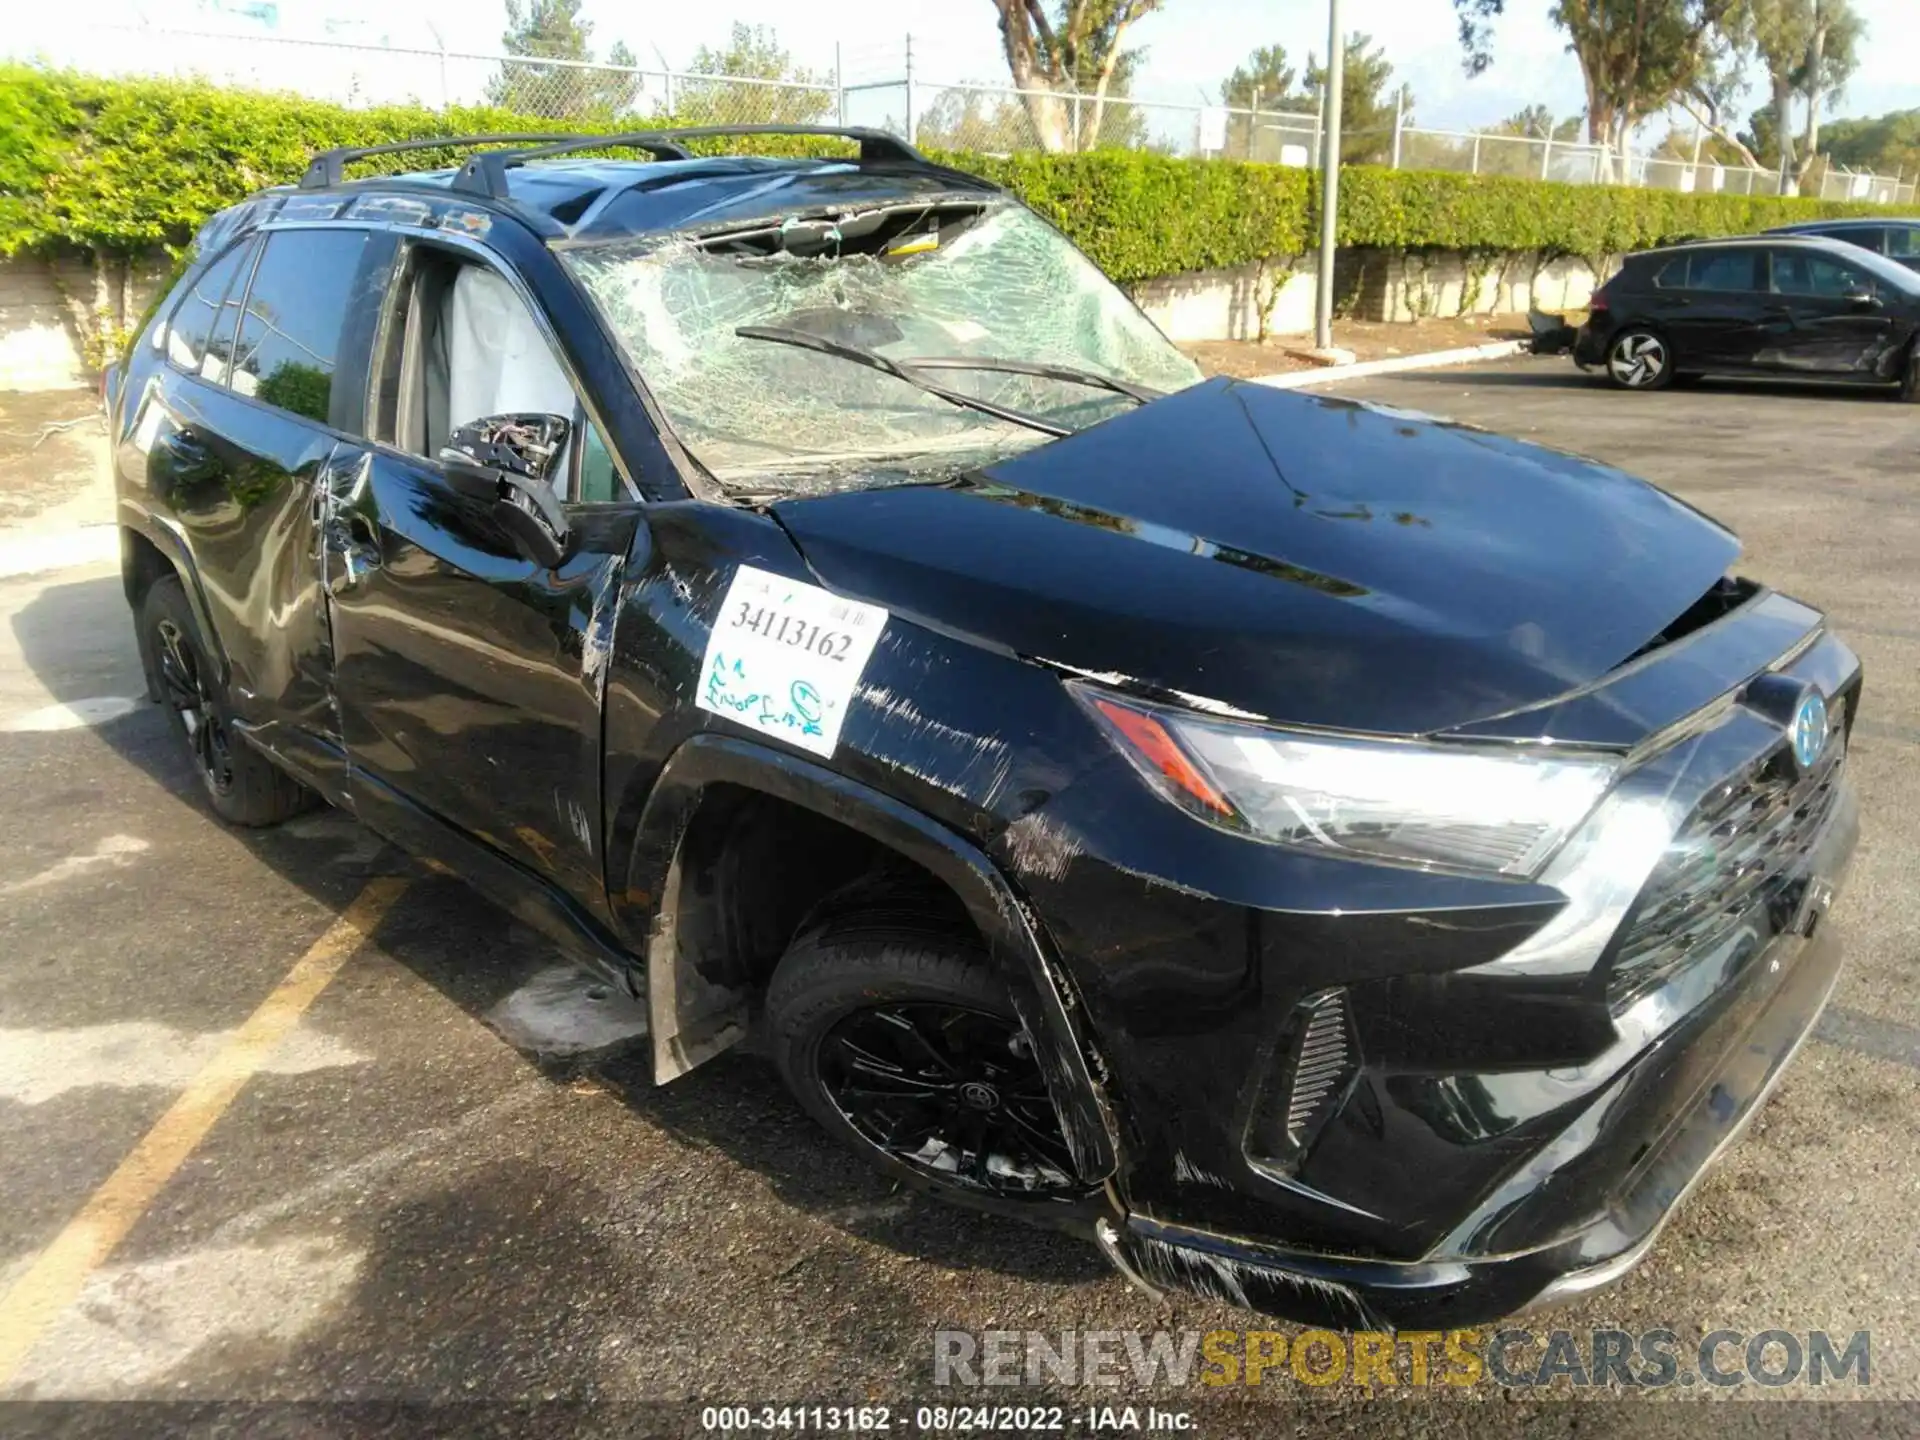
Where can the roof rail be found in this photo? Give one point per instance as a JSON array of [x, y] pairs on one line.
[[328, 168], [486, 173]]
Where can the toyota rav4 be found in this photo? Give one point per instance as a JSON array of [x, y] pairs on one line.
[[1346, 863]]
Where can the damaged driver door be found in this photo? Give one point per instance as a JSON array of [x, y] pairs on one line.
[[469, 662]]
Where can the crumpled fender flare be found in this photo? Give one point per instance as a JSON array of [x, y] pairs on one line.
[[167, 538], [1041, 995]]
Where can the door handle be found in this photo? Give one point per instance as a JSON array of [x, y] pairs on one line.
[[182, 447]]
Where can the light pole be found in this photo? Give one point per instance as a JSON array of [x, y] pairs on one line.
[[1329, 178]]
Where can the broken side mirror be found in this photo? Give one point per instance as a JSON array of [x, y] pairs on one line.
[[510, 460]]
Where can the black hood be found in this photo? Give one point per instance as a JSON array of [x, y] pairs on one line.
[[1314, 560]]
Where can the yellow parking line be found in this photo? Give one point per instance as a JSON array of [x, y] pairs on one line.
[[57, 1274]]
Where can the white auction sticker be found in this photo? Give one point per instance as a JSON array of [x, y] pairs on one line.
[[785, 658]]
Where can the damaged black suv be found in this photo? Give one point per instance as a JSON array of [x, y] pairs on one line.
[[1346, 863]]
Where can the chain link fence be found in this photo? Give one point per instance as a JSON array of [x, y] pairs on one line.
[[881, 86]]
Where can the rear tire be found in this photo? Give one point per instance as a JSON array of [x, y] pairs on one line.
[[898, 1038], [1910, 377], [1638, 359], [243, 786]]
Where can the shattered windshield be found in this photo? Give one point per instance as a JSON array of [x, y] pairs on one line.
[[959, 282]]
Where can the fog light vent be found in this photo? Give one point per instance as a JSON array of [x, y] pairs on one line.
[[1321, 1069], [1318, 1058]]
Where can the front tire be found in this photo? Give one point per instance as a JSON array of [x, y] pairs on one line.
[[1638, 359], [242, 785], [1910, 376], [898, 1038]]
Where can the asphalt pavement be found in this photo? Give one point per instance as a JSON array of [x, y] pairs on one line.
[[284, 1117]]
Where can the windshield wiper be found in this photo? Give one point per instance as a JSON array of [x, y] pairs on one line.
[[873, 360], [1066, 374]]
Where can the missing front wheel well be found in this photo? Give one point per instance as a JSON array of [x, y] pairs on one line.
[[756, 869]]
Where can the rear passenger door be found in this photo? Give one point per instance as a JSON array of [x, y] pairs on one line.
[[1716, 322], [265, 378], [1836, 323]]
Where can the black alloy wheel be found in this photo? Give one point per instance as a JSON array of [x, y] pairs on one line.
[[186, 691], [895, 1031], [950, 1091], [243, 785]]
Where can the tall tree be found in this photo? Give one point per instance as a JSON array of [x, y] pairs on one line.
[[1367, 101], [1536, 122], [1809, 49], [1884, 144], [1636, 56], [753, 52], [1071, 46], [1265, 81], [978, 120], [553, 30]]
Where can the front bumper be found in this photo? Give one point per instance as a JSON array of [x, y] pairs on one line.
[[1726, 1063], [1527, 1077]]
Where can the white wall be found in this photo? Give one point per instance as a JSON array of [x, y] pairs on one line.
[[1380, 285], [40, 342], [37, 344], [1226, 304]]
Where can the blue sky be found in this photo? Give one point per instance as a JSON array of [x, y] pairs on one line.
[[1190, 46]]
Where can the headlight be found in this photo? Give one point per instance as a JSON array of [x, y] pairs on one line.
[[1498, 811]]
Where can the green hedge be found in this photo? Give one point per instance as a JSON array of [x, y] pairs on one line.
[[118, 165]]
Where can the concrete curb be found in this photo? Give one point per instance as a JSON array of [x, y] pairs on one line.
[[1467, 355], [28, 552]]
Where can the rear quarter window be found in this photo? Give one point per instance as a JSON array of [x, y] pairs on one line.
[[303, 294], [200, 329], [1672, 275]]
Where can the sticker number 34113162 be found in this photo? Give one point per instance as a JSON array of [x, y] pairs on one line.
[[785, 658]]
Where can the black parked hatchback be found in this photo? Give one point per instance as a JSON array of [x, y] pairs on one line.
[[1349, 864], [1785, 307]]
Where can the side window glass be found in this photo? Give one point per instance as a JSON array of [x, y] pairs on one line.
[[200, 332], [1672, 275], [1815, 276], [296, 309], [1903, 242], [599, 480], [1722, 270]]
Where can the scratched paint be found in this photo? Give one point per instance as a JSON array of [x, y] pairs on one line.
[[1039, 846]]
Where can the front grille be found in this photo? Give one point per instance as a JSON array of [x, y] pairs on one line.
[[1733, 859]]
